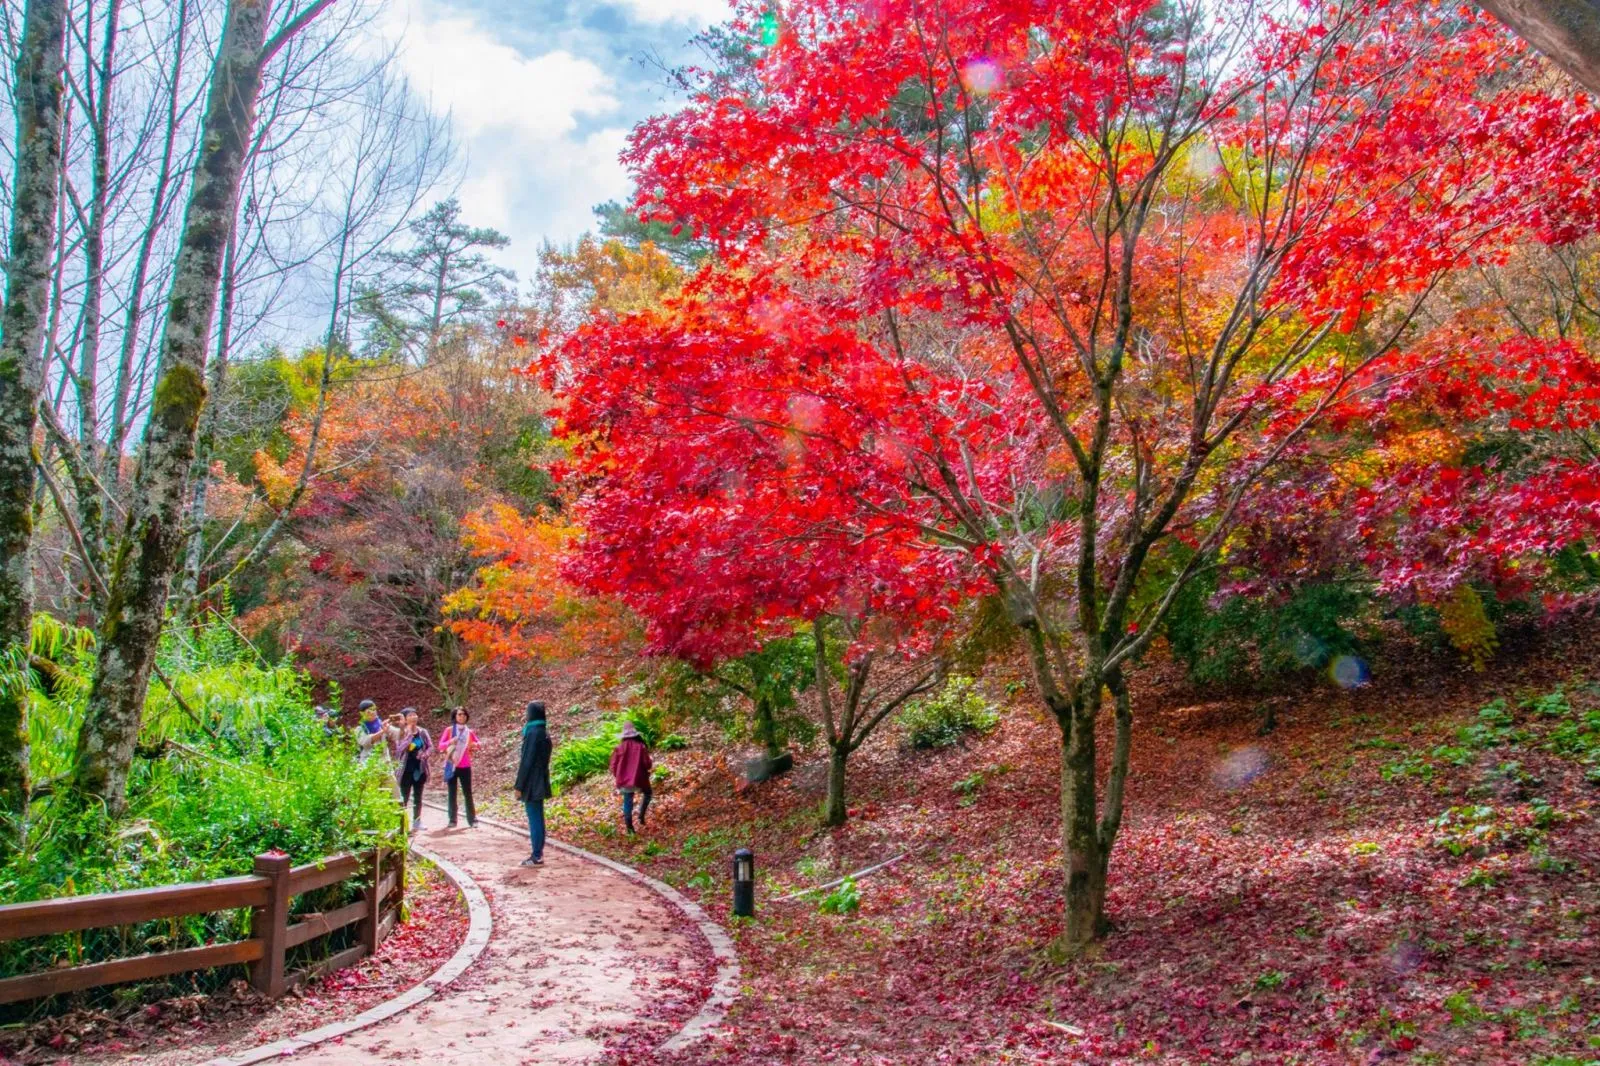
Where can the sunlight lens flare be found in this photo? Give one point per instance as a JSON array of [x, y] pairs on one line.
[[1349, 671], [1240, 768], [981, 76]]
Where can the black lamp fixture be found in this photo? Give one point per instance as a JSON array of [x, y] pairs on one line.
[[744, 883]]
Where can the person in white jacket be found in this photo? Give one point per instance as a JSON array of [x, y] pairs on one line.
[[373, 733]]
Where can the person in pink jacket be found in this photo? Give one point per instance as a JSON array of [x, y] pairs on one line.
[[630, 769]]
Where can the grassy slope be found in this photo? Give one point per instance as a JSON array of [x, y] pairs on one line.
[[1279, 899]]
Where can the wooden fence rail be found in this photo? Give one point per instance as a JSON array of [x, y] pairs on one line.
[[267, 892]]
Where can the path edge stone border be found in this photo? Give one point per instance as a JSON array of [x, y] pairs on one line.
[[480, 924], [726, 986]]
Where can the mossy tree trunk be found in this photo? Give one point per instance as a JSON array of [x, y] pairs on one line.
[[148, 553], [35, 182]]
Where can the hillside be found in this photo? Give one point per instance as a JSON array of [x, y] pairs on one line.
[[1293, 897]]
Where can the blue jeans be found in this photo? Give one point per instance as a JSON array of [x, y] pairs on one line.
[[627, 806], [535, 809]]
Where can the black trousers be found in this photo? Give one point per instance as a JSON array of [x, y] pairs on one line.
[[411, 789], [462, 774]]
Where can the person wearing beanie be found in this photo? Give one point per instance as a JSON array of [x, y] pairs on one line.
[[533, 778], [372, 735], [630, 769]]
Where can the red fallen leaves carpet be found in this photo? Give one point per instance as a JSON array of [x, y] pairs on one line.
[[192, 1028], [1363, 885]]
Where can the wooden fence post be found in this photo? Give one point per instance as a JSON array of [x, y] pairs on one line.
[[400, 869], [400, 882], [369, 929], [270, 925]]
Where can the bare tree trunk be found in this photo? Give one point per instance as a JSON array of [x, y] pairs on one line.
[[148, 553], [189, 588], [39, 87], [91, 508], [1568, 31], [111, 471]]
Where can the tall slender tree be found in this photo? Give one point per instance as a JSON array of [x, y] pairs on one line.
[[445, 279], [39, 89], [148, 554]]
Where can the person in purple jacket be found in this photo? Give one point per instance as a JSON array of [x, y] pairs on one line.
[[415, 747]]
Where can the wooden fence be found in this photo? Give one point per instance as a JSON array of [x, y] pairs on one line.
[[267, 892]]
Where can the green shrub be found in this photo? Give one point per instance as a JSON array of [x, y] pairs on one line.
[[1266, 638], [943, 719], [253, 772]]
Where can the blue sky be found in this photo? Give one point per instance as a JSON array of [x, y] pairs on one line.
[[543, 93]]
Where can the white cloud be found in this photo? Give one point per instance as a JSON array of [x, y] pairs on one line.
[[488, 86], [530, 172], [700, 12]]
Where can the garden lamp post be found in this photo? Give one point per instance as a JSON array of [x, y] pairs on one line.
[[744, 883]]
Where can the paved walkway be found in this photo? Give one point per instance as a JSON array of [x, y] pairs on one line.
[[578, 952]]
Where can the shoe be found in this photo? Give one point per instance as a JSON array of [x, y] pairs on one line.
[[449, 825], [531, 861], [472, 825]]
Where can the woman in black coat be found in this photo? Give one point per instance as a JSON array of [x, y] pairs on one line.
[[533, 778]]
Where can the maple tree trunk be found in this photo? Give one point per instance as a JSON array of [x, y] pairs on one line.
[[149, 550], [767, 729], [38, 89], [834, 813], [1082, 854]]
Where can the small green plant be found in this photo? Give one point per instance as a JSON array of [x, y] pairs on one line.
[[842, 900], [1479, 829], [1411, 766], [1495, 727], [1365, 847], [1462, 1009], [1481, 877], [968, 787], [1271, 981], [1550, 705], [945, 718], [1545, 862], [1546, 816]]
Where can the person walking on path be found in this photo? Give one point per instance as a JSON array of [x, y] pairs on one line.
[[415, 747], [533, 779], [630, 769], [457, 743]]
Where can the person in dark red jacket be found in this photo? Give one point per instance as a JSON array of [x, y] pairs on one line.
[[630, 769]]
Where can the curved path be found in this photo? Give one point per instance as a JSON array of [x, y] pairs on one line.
[[578, 954]]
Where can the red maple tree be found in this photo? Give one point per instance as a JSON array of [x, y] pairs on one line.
[[1043, 292]]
